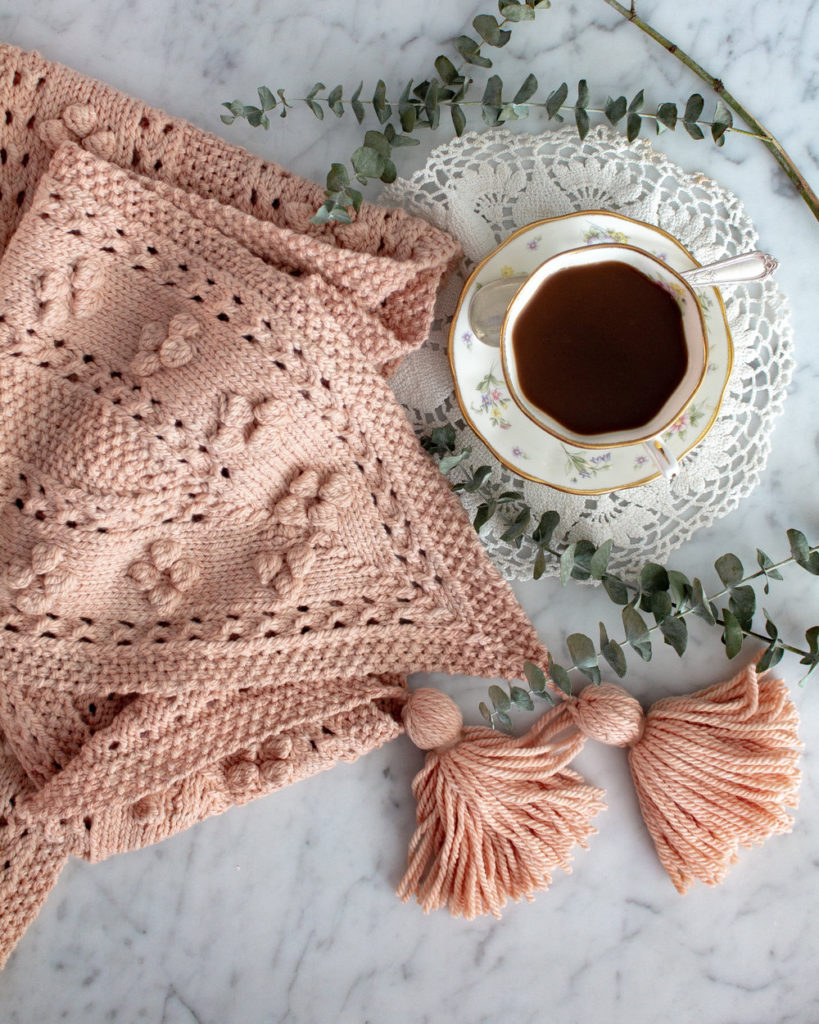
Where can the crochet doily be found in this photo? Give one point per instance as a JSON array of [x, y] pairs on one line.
[[484, 186]]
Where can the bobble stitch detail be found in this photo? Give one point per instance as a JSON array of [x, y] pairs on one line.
[[165, 347], [73, 291], [44, 578], [79, 123], [164, 575]]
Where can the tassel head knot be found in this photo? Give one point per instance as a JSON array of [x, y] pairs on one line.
[[608, 714], [432, 719]]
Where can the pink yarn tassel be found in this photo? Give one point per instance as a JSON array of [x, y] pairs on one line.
[[714, 771], [495, 814]]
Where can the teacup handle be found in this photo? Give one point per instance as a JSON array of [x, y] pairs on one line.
[[662, 457]]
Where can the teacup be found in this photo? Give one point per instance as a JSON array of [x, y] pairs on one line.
[[605, 346]]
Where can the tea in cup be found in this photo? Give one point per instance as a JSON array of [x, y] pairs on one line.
[[605, 346]]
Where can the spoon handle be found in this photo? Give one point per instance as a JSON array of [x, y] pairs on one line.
[[750, 266]]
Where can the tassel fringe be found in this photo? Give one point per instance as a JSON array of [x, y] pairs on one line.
[[713, 771], [495, 816]]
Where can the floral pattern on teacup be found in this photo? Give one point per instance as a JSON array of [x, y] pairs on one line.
[[494, 400], [596, 235], [690, 419], [585, 466]]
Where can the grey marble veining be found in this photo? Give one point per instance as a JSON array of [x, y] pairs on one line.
[[283, 911]]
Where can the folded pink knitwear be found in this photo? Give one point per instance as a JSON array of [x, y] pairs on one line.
[[222, 547]]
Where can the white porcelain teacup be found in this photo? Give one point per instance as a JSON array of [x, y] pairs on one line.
[[690, 354]]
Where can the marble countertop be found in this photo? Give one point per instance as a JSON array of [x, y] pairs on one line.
[[283, 911]]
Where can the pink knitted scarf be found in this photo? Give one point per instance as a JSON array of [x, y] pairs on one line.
[[222, 547]]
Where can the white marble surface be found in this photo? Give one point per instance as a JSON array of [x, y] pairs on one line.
[[283, 911]]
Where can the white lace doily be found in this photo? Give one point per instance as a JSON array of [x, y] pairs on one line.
[[485, 185]]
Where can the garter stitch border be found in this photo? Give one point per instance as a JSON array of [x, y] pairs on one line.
[[222, 548]]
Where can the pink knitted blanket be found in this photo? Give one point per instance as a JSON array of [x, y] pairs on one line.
[[222, 547]]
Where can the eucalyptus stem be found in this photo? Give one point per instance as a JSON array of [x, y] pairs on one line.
[[760, 131], [317, 97]]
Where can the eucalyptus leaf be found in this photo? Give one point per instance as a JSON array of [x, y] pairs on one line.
[[742, 604], [458, 119], [356, 104], [449, 462], [378, 141], [446, 69], [653, 578], [505, 720], [612, 652], [488, 29], [544, 530], [515, 531], [517, 12], [521, 699], [637, 103], [600, 560], [675, 633], [771, 656], [368, 162], [560, 677], [801, 552], [582, 93], [720, 122], [527, 89], [667, 115], [442, 439], [694, 107], [812, 637], [535, 677], [615, 588], [469, 50], [337, 178], [633, 125], [729, 569], [584, 656], [637, 632], [334, 101], [566, 564], [322, 214], [483, 514], [266, 98], [731, 634], [432, 105], [767, 565], [383, 110], [556, 99], [486, 714], [581, 119], [474, 482], [500, 698], [615, 110], [660, 605], [339, 214], [491, 102], [316, 109], [539, 565], [700, 604], [680, 588]]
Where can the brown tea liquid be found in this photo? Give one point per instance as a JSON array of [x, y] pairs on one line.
[[599, 348]]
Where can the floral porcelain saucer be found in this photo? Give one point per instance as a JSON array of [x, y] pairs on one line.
[[514, 439]]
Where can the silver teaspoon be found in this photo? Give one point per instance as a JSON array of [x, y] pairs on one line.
[[488, 305]]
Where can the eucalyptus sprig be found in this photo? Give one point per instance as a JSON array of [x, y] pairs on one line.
[[449, 88], [669, 596], [659, 601]]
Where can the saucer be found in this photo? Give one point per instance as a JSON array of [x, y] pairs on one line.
[[515, 440]]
